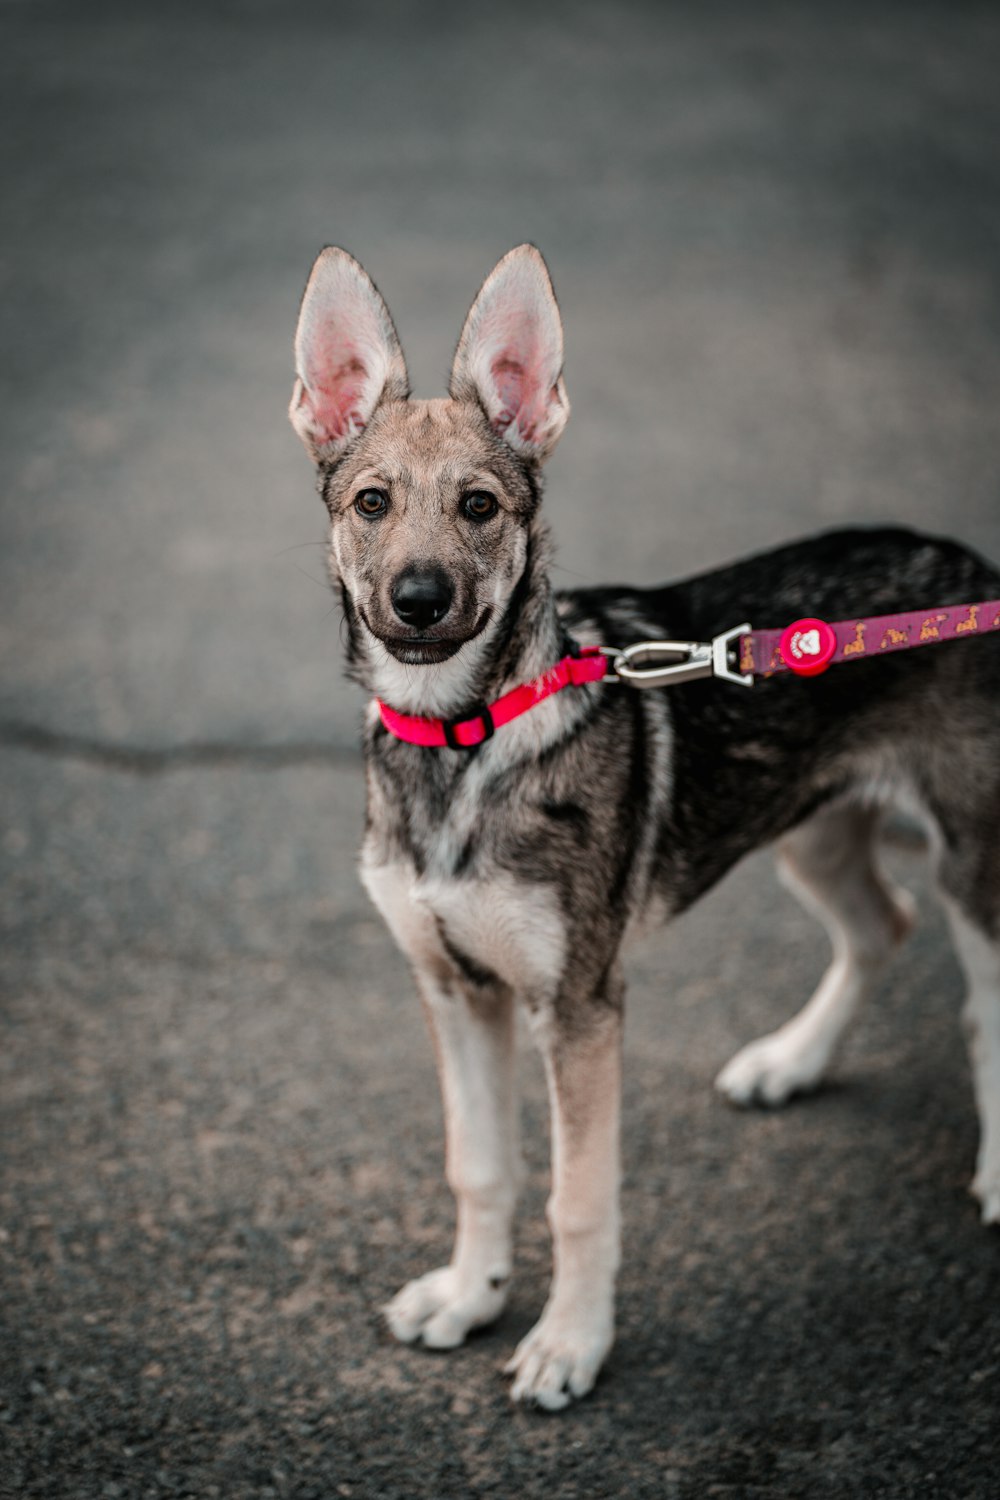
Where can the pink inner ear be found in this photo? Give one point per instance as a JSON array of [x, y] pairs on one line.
[[519, 393], [337, 395]]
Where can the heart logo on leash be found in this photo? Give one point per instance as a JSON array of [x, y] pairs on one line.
[[807, 646]]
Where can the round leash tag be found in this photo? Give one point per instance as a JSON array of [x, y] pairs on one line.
[[807, 646]]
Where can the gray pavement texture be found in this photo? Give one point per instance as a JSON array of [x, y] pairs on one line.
[[775, 232]]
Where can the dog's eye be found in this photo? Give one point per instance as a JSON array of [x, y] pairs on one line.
[[371, 503], [479, 505]]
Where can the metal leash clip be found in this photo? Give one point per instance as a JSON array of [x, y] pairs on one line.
[[660, 663]]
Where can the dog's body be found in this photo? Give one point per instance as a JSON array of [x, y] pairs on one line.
[[510, 873]]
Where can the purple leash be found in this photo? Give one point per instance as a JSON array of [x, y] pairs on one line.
[[806, 647], [810, 646]]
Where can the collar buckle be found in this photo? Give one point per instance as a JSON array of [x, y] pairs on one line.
[[479, 718]]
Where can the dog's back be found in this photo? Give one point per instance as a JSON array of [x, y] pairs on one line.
[[923, 725]]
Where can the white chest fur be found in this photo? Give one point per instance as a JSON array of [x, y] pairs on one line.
[[511, 928]]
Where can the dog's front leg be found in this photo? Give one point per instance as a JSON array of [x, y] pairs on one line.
[[561, 1356], [473, 1033]]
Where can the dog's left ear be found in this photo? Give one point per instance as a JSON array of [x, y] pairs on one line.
[[347, 356], [510, 355]]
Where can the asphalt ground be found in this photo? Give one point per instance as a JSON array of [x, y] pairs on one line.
[[775, 234]]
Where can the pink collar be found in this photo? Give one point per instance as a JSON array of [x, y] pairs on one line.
[[464, 734]]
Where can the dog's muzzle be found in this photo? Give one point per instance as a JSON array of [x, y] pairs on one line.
[[426, 647]]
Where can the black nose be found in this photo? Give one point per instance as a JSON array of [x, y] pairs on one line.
[[422, 596]]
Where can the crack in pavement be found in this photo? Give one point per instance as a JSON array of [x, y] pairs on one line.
[[155, 760]]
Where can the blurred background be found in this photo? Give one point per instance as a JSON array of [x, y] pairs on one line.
[[774, 231]]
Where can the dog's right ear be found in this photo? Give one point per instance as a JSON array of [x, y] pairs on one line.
[[347, 356]]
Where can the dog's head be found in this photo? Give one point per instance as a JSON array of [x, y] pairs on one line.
[[430, 502]]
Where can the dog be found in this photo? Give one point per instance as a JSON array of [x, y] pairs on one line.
[[509, 872]]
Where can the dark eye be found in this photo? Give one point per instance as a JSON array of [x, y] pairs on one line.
[[479, 505], [371, 503]]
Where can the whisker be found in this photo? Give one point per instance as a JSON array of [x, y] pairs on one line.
[[572, 573], [297, 547], [318, 582]]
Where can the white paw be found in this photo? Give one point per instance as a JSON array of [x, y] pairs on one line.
[[439, 1310], [769, 1072], [986, 1187], [560, 1357]]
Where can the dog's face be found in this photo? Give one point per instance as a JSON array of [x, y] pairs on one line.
[[430, 502], [429, 516]]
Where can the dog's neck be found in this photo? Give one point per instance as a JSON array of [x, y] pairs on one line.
[[523, 641]]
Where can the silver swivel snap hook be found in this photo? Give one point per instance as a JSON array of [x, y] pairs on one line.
[[661, 663]]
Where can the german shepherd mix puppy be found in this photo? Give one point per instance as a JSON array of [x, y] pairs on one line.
[[509, 872]]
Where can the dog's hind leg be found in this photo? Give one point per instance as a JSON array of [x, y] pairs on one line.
[[829, 863], [980, 958], [562, 1354], [473, 1035], [971, 881]]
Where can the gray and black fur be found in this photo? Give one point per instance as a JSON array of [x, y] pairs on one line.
[[744, 767]]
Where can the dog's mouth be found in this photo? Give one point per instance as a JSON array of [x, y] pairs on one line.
[[419, 651], [427, 650]]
